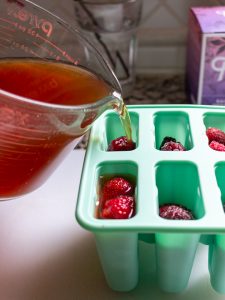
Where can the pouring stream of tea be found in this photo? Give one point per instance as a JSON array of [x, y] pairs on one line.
[[126, 122]]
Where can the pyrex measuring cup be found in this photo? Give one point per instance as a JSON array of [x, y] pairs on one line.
[[53, 85]]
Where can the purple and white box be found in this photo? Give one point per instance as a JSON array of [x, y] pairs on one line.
[[206, 55]]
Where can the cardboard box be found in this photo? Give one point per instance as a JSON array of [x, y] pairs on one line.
[[206, 55]]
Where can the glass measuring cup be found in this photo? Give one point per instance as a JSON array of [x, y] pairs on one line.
[[53, 85]]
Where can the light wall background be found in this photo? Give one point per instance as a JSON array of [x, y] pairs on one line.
[[162, 33]]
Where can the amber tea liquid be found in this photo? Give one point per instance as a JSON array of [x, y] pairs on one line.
[[27, 154]]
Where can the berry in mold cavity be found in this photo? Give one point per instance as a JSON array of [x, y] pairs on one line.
[[215, 134], [121, 207], [121, 144], [175, 212], [116, 186], [173, 146], [217, 146], [166, 140]]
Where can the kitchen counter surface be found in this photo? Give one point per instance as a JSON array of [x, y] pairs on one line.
[[159, 89]]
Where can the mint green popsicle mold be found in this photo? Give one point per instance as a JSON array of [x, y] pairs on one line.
[[194, 178]]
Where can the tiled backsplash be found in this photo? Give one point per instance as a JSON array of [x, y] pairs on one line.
[[162, 33]]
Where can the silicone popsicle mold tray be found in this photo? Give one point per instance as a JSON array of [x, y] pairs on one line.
[[194, 178]]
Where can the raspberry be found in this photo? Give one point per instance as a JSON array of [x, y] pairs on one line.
[[217, 146], [115, 187], [175, 212], [121, 207], [215, 134], [166, 140], [173, 146], [121, 144]]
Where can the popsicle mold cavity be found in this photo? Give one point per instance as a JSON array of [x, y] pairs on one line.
[[178, 183], [111, 128], [173, 124]]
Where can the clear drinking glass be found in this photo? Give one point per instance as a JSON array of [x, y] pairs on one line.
[[112, 26], [53, 85]]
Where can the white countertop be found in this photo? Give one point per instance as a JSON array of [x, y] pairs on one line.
[[46, 255]]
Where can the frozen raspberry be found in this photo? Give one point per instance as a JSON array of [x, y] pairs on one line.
[[121, 144], [121, 207], [217, 146], [175, 212], [215, 134], [115, 187], [166, 140], [173, 146]]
